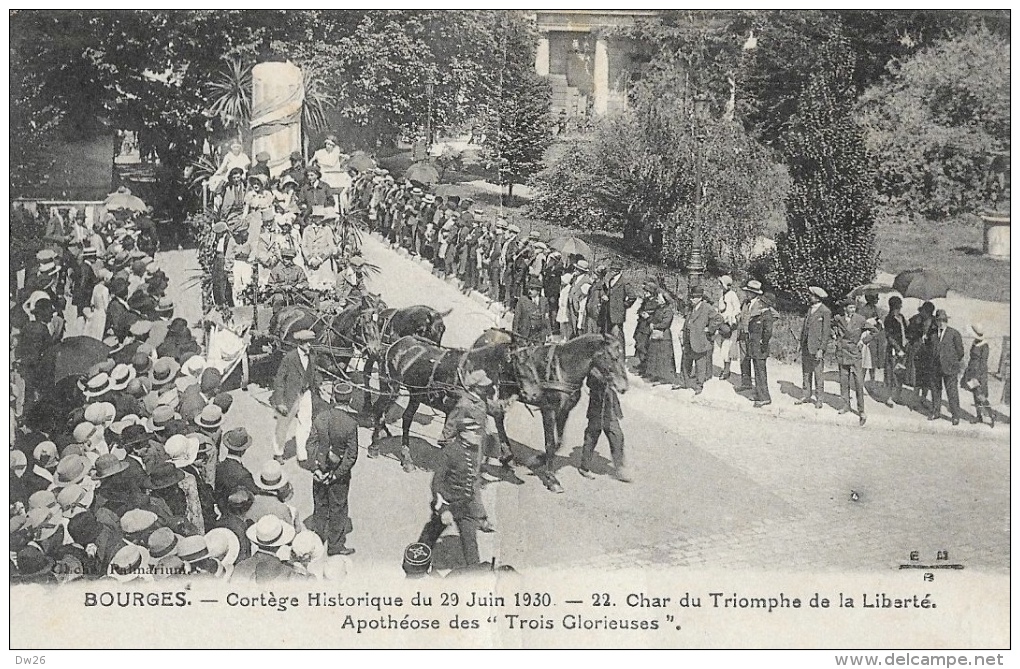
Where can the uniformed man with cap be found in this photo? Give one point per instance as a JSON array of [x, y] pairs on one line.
[[334, 443], [455, 485], [285, 278]]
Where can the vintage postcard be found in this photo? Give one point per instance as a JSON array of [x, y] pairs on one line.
[[506, 329]]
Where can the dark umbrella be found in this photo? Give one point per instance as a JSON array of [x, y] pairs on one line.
[[74, 356], [422, 171], [361, 161], [570, 246], [924, 284]]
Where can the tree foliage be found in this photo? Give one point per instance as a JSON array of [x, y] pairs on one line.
[[639, 173], [829, 241], [518, 129], [379, 63], [940, 126]]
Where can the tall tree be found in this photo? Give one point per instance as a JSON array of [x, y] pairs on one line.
[[829, 241]]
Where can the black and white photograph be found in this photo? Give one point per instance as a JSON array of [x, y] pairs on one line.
[[511, 329]]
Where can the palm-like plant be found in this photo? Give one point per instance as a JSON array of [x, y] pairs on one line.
[[318, 99], [231, 92]]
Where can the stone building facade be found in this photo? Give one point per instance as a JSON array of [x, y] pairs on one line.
[[590, 70]]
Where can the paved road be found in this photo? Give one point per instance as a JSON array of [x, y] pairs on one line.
[[715, 487]]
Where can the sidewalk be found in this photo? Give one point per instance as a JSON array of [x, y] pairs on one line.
[[785, 388]]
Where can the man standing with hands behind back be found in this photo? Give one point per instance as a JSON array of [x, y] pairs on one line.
[[947, 357], [334, 441], [814, 335]]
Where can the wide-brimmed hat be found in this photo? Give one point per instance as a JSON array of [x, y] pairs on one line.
[[42, 499], [70, 496], [121, 376], [270, 532], [71, 469], [726, 280], [237, 440], [261, 179], [977, 330], [84, 432], [271, 477], [754, 286], [97, 385], [127, 563], [134, 434], [162, 542], [137, 521], [303, 335], [193, 548], [100, 413], [210, 418], [160, 416], [941, 316], [164, 370], [164, 475], [818, 292], [46, 453], [142, 364], [181, 450], [107, 465], [193, 366], [223, 545], [33, 563], [219, 227], [140, 328]]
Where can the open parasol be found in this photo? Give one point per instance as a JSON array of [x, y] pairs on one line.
[[870, 288], [924, 284], [123, 200], [570, 246], [422, 171]]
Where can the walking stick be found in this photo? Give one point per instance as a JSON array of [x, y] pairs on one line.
[[255, 296]]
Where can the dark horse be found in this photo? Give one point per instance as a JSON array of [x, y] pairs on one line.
[[420, 321], [549, 376], [433, 375], [339, 335]]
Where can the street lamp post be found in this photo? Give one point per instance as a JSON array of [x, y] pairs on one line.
[[696, 259], [430, 87]]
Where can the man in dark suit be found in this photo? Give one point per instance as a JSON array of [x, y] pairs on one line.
[[699, 329], [334, 440], [762, 317], [814, 335], [292, 396], [231, 474], [615, 302], [530, 325], [947, 356]]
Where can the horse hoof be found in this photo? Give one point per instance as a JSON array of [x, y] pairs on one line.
[[556, 487]]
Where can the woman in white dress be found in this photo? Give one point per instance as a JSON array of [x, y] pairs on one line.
[[235, 158], [333, 164], [95, 316]]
